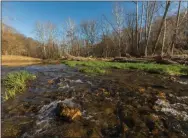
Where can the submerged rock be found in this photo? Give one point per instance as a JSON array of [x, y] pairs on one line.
[[67, 113], [141, 89], [167, 108], [111, 131], [10, 130], [14, 127], [174, 125]]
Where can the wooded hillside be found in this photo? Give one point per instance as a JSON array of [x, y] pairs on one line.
[[151, 29]]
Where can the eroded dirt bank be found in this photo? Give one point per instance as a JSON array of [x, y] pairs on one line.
[[120, 104]]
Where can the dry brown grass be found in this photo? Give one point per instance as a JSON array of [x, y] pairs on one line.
[[13, 60]]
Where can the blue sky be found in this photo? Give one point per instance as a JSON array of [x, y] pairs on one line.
[[23, 15]]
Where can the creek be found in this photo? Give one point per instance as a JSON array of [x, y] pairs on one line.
[[123, 103]]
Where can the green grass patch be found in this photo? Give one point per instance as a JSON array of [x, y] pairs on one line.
[[100, 67], [15, 82], [92, 70]]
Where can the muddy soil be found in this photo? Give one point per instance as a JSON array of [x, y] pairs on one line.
[[123, 103]]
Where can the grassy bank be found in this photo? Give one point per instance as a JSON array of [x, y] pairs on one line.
[[13, 60], [15, 82], [100, 67]]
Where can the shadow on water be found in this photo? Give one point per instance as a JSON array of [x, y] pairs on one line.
[[119, 104]]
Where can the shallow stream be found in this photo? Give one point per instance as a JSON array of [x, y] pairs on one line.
[[123, 103]]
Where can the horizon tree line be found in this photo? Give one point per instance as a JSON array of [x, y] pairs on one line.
[[150, 29]]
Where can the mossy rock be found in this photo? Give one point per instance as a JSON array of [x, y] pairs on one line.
[[67, 113]]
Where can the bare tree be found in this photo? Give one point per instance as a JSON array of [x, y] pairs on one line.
[[149, 19], [118, 14], [90, 32], [130, 22], [70, 33], [140, 34], [164, 35], [146, 19], [136, 30], [120, 36], [46, 34], [161, 25], [176, 29], [105, 28], [40, 36]]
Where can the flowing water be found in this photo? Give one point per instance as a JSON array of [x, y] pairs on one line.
[[120, 104]]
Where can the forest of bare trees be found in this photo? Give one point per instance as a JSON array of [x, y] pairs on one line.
[[152, 28]]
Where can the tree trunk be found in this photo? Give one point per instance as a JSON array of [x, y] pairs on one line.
[[149, 29], [119, 47], [164, 35], [132, 35], [161, 25], [140, 37], [146, 22], [137, 48], [174, 40], [106, 50], [44, 51]]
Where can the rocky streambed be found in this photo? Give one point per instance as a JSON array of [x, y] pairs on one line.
[[63, 102]]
